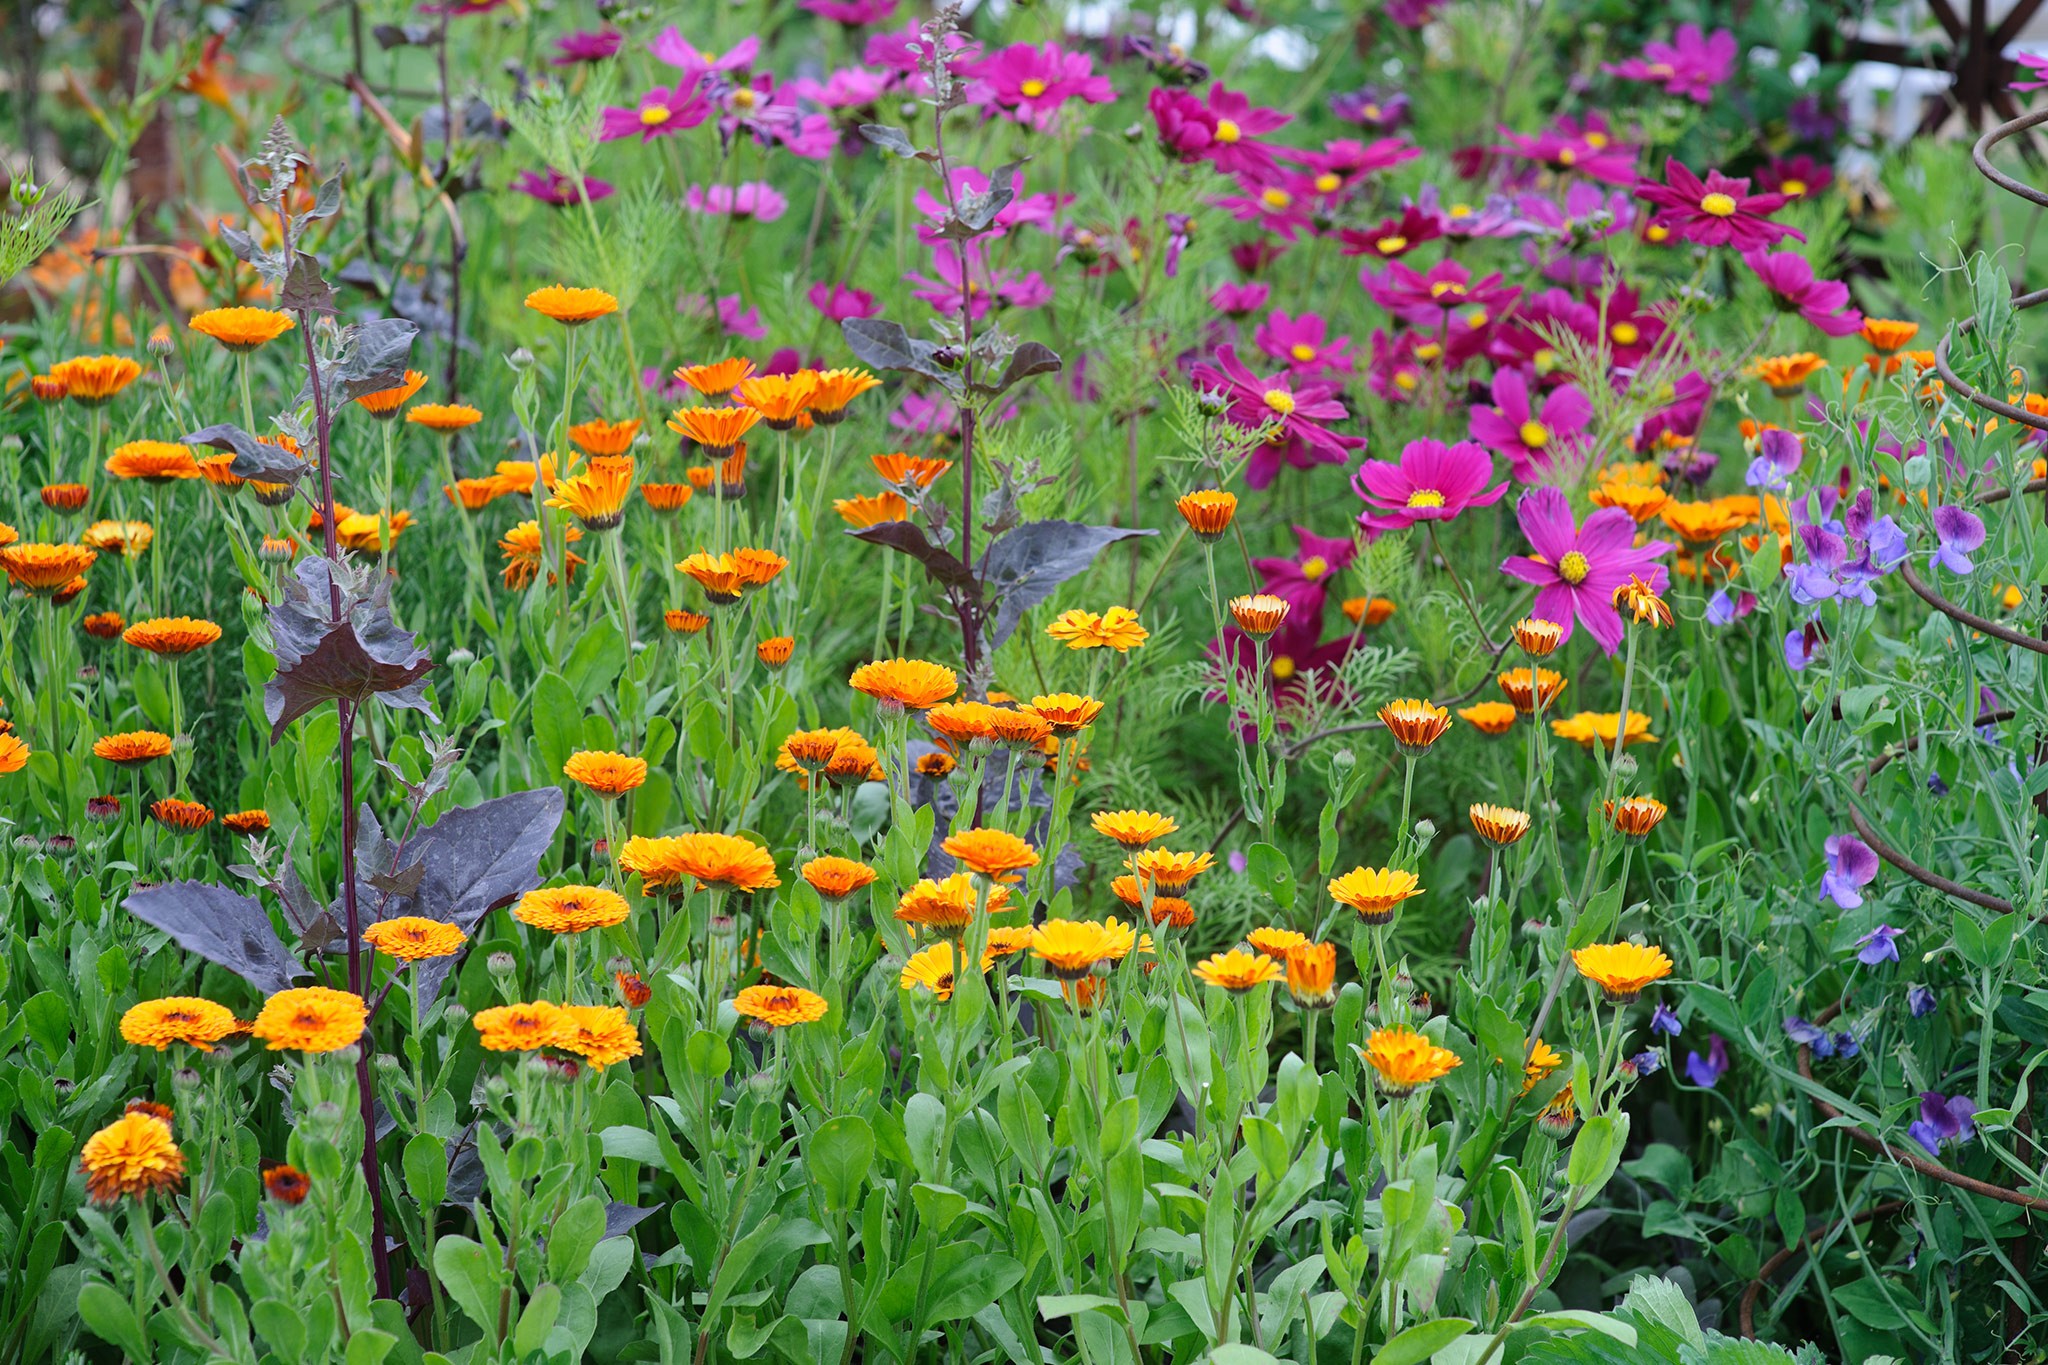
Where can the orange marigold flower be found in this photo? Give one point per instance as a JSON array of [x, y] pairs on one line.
[[473, 494], [1208, 512], [1633, 817], [385, 403], [14, 754], [994, 853], [187, 1019], [1589, 728], [632, 989], [1133, 828], [1641, 501], [1312, 975], [1538, 638], [901, 470], [171, 634], [1169, 872], [133, 749], [937, 765], [599, 437], [370, 533], [571, 307], [415, 938], [522, 549], [1621, 970], [780, 398], [1068, 713], [131, 1157], [219, 470], [1362, 611], [1071, 948], [1274, 941], [524, 1027], [947, 904], [156, 461], [718, 379], [1018, 729], [1489, 717], [872, 510], [1642, 603], [1403, 1059], [725, 862], [597, 496], [963, 722], [1415, 724], [599, 1034], [906, 684], [667, 497], [95, 379], [1885, 335], [685, 622], [780, 1006], [311, 1019], [1498, 825], [835, 389], [1374, 892], [47, 388], [287, 1184], [930, 968], [127, 539], [775, 651], [718, 430], [182, 817], [757, 568], [103, 625], [443, 417], [64, 497], [1238, 971], [1168, 911], [242, 329], [1259, 614], [1116, 629], [604, 773], [1703, 523], [1787, 374], [254, 821], [837, 878], [1529, 688], [718, 575], [571, 909]]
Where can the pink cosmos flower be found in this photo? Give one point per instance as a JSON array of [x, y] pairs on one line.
[[1239, 300], [1717, 211], [1425, 298], [1040, 211], [552, 187], [1680, 417], [1029, 83], [1432, 482], [590, 45], [1795, 177], [1240, 124], [1692, 64], [839, 302], [754, 200], [1577, 568], [850, 87], [1590, 148], [1351, 161], [2036, 65], [1394, 374], [1534, 441], [1393, 237], [670, 48], [1633, 331], [734, 317], [1298, 412], [1299, 664], [1280, 206], [1522, 340], [1824, 303], [853, 13], [1304, 581], [660, 113], [981, 287], [1303, 344], [902, 52]]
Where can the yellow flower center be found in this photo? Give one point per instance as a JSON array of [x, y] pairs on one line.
[[1567, 157], [1476, 319], [1461, 211], [1625, 333], [1545, 360], [1450, 288], [653, 116], [1314, 567], [1276, 198], [1302, 352], [1428, 350], [1425, 497], [707, 56], [1372, 112], [1227, 131], [1280, 401], [1328, 181], [1283, 667], [743, 98], [1405, 382], [1534, 434], [1573, 568], [1032, 89], [1390, 246], [1660, 70], [1794, 188], [1657, 232], [1718, 204], [1596, 140]]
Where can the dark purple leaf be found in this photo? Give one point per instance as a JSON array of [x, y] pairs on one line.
[[1032, 358], [389, 36], [620, 1219], [363, 654], [304, 291], [222, 926], [942, 564], [376, 358], [253, 458], [884, 345], [1022, 568]]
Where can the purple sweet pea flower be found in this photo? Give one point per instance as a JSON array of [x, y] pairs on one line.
[[1846, 1045], [1920, 1001], [1801, 645], [1879, 945], [1647, 1063], [1663, 1021], [1852, 865], [1778, 454], [1706, 1072], [1809, 1036], [1726, 610], [1960, 532], [1943, 1121]]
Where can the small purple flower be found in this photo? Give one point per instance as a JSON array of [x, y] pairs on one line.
[[1879, 945], [1852, 865], [1809, 1036], [1726, 610], [1239, 300], [552, 187], [1920, 1001], [1960, 533], [1847, 1045], [1180, 227], [1777, 460], [1943, 1121], [1647, 1063], [1663, 1021], [1237, 862], [1369, 108], [1801, 645], [1706, 1072]]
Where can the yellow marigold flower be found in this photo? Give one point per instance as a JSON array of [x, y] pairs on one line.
[[599, 437], [780, 1006], [836, 878], [1071, 948], [1259, 614], [929, 969], [1274, 941], [900, 469], [809, 751], [725, 862], [835, 389], [385, 403], [599, 1034], [242, 329], [154, 461], [1018, 729], [994, 853], [311, 1019], [246, 821], [369, 532], [1543, 1060], [415, 938], [187, 1019], [963, 722], [1133, 828], [522, 548], [1169, 872], [1489, 717], [1648, 473], [1703, 523], [1067, 713], [171, 634], [1170, 911], [718, 379], [1237, 971], [47, 388], [1621, 969], [1403, 1059], [525, 1027], [133, 749], [132, 1156], [1374, 892], [95, 379], [871, 509], [1538, 638], [182, 817], [219, 470], [571, 307], [1116, 629], [14, 754], [718, 430], [667, 497], [1527, 688], [1884, 335], [1641, 602], [473, 494], [757, 568], [948, 904], [1500, 826], [104, 625], [445, 418], [718, 575], [127, 539], [605, 774], [597, 496], [685, 622], [1633, 817], [1362, 611], [571, 909], [1787, 374], [1415, 724], [1208, 512], [1588, 728], [904, 684], [517, 476], [1640, 501], [1005, 940], [1312, 975], [853, 763]]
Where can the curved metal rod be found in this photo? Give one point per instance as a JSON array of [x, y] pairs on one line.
[[1967, 617], [1792, 1253], [1997, 905]]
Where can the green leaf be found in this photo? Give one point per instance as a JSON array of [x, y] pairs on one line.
[[110, 1318], [1596, 1151], [1054, 1306], [426, 1170], [470, 1274], [970, 1284], [1421, 1341], [1578, 1319], [709, 1055], [838, 1155], [572, 1237], [368, 1346], [632, 1144], [557, 718], [539, 1318], [282, 1327], [1268, 869], [1268, 1145]]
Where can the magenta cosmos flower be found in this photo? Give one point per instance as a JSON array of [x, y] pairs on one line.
[[840, 302], [1692, 64], [1577, 568], [1591, 149], [1029, 83], [590, 45], [1299, 409], [552, 187], [1432, 482], [1532, 439], [1717, 211], [853, 13], [672, 49], [755, 199], [660, 113], [1824, 303], [1303, 344]]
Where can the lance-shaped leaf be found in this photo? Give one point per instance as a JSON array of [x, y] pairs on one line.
[[254, 459], [360, 655], [945, 567], [1022, 568], [222, 926], [884, 345], [1031, 358], [894, 141]]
